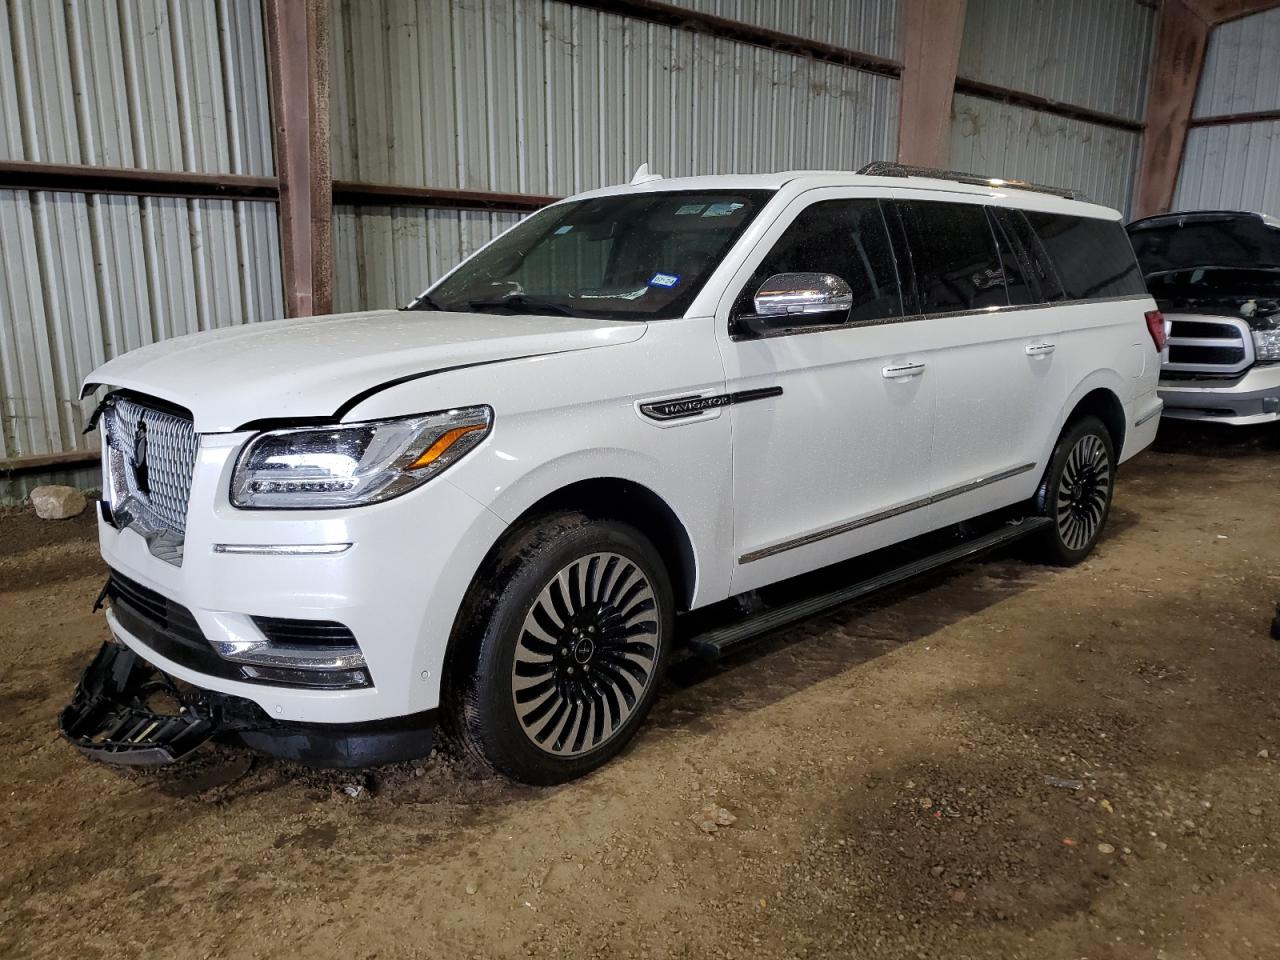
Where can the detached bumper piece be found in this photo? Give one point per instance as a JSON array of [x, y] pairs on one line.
[[109, 719], [115, 716]]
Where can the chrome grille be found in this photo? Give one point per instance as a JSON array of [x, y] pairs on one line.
[[1208, 345], [171, 447]]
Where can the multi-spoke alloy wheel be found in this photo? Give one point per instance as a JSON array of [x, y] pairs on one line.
[[1075, 492], [586, 654], [562, 647], [1083, 492]]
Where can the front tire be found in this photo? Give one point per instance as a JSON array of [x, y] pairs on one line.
[[1076, 491], [565, 644]]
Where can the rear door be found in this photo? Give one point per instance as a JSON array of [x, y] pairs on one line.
[[999, 384]]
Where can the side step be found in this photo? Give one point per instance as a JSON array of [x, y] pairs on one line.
[[722, 641]]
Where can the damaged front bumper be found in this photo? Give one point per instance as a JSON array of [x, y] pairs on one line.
[[125, 711]]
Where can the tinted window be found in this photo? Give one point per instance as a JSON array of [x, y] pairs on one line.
[[954, 257], [1043, 273], [844, 237], [1015, 260], [1093, 257]]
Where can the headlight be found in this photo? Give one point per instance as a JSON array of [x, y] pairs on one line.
[[1266, 345], [354, 463]]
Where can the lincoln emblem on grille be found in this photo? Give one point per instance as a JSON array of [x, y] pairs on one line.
[[139, 462]]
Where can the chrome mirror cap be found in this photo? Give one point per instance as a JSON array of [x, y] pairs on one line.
[[787, 293]]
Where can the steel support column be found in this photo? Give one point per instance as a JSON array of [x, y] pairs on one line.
[[298, 60], [932, 31]]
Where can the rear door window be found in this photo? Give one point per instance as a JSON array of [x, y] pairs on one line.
[[1093, 257], [1015, 260], [954, 257]]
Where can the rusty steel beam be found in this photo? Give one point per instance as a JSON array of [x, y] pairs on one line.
[[1215, 12], [321, 177], [654, 11], [79, 178], [990, 91], [1183, 36], [1222, 119], [932, 32], [298, 69], [400, 195], [43, 462]]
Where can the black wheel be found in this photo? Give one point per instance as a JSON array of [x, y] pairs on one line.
[[564, 647], [1076, 491]]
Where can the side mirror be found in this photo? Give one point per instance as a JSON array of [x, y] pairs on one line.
[[785, 294], [790, 300]]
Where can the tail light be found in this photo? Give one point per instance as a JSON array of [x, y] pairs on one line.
[[1155, 326]]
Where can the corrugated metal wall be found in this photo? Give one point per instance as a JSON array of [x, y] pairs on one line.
[[1088, 53], [865, 27], [1010, 141], [158, 84], [1236, 166], [537, 96]]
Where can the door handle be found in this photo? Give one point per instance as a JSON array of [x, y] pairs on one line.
[[903, 371], [1040, 349]]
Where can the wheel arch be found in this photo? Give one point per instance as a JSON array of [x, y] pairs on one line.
[[613, 498], [1103, 403]]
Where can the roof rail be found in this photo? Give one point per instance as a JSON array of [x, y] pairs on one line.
[[887, 168]]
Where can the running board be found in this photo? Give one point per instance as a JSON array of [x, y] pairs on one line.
[[720, 642]]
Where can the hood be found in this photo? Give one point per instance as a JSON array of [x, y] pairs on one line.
[[311, 367], [1175, 243]]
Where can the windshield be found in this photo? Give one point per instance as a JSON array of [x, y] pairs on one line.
[[625, 257]]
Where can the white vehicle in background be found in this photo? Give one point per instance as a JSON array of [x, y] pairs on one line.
[[1216, 276], [501, 507]]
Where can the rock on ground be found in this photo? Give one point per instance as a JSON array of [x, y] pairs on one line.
[[56, 502]]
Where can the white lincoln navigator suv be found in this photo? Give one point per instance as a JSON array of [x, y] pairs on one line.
[[504, 507]]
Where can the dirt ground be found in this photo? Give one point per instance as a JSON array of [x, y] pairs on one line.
[[886, 767]]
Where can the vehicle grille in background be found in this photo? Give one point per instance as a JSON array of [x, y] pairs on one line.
[[307, 633], [171, 451], [1214, 346]]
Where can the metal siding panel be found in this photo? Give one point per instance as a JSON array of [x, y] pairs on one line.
[[1090, 53], [1242, 67], [158, 84], [10, 118], [547, 97], [1234, 167], [1009, 141], [868, 27], [386, 256], [87, 278]]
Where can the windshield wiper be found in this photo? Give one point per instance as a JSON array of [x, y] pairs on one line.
[[518, 301], [424, 302]]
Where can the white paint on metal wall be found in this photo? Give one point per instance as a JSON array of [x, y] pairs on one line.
[[1242, 67], [1008, 141], [867, 26], [1231, 167], [1089, 53], [541, 97], [156, 84], [85, 278], [385, 256]]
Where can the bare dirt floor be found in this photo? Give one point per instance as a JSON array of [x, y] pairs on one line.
[[886, 767]]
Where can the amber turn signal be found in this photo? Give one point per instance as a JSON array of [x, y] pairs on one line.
[[443, 443]]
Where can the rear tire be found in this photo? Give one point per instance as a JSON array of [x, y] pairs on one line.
[[1076, 491], [563, 648]]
